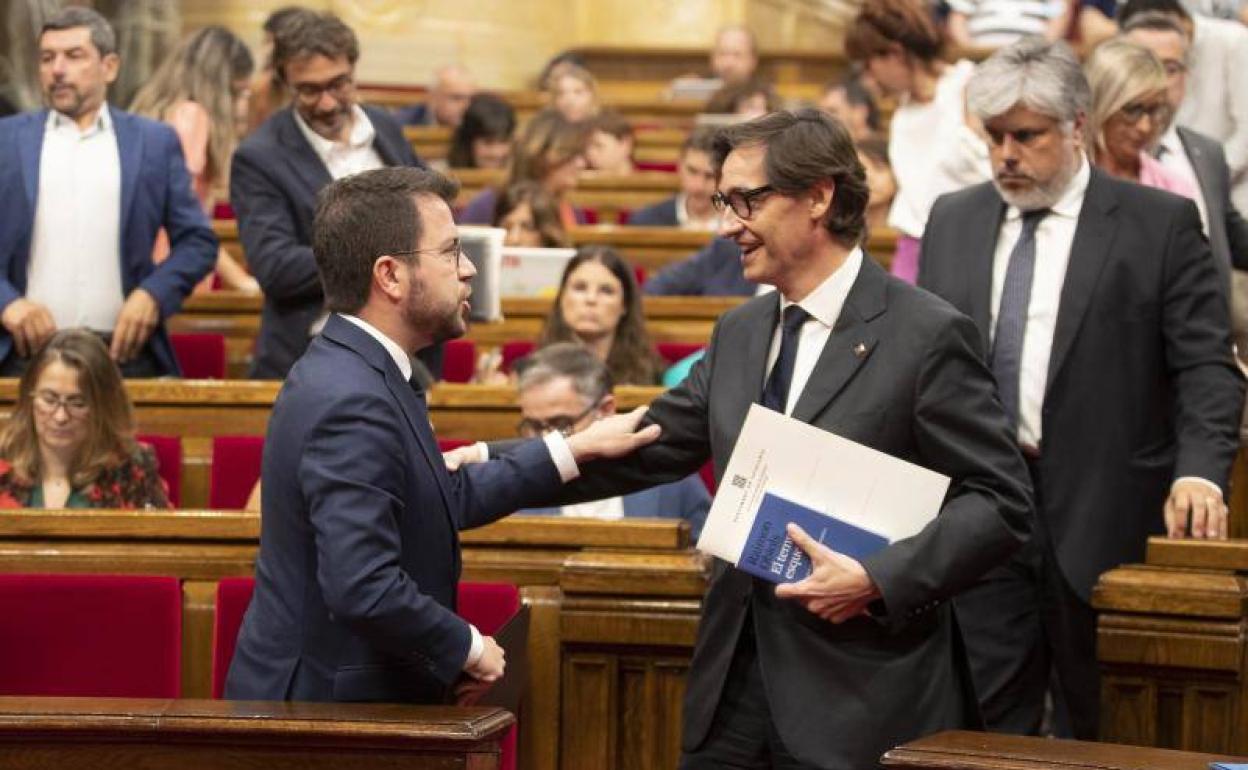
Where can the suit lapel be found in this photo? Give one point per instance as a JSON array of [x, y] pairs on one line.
[[30, 145], [1204, 177], [304, 160], [849, 345], [130, 153], [1094, 233], [745, 359], [981, 240]]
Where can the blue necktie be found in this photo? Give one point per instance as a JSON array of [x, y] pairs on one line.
[[1007, 343], [776, 390]]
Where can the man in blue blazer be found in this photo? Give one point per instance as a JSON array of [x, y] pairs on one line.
[[715, 271], [691, 207], [85, 189], [359, 551], [278, 170]]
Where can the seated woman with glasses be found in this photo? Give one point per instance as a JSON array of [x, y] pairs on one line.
[[70, 440], [1129, 113]]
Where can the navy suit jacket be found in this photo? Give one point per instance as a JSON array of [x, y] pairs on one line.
[[274, 179], [715, 271], [661, 214], [155, 194], [359, 552], [685, 499]]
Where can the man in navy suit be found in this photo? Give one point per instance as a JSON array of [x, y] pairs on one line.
[[85, 189], [278, 170], [715, 271], [359, 550], [691, 207]]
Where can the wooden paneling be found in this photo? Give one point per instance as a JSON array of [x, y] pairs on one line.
[[650, 145]]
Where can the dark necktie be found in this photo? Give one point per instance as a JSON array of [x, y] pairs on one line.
[[1007, 343], [776, 390]]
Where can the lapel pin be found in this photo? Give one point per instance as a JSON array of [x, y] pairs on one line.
[[860, 350]]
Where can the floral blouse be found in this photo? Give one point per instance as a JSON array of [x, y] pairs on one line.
[[134, 483]]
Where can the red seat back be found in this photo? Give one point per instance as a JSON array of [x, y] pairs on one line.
[[168, 451], [235, 470], [459, 360], [447, 444], [90, 636], [488, 606], [233, 596], [201, 356], [672, 352], [707, 472], [515, 350]]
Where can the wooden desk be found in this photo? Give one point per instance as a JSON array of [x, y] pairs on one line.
[[608, 195], [1173, 647], [71, 733], [653, 145], [961, 750]]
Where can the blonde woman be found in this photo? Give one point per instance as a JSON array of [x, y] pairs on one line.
[[1129, 112], [573, 92], [202, 91]]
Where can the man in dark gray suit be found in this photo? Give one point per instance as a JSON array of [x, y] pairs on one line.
[[864, 655], [1109, 338]]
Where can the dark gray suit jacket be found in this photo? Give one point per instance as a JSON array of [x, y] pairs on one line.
[[661, 214], [841, 695], [1228, 230], [715, 271], [1141, 384], [274, 179]]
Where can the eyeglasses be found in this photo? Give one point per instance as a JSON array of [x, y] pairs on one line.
[[1157, 113], [740, 201], [454, 254], [310, 93], [1174, 67], [561, 424], [50, 403]]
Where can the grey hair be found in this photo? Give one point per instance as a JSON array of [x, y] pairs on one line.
[[1042, 76], [102, 35], [589, 375]]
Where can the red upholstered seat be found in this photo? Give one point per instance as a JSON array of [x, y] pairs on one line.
[[459, 360], [201, 356], [488, 606], [233, 596], [515, 350], [677, 351], [90, 636], [235, 470], [707, 472], [668, 166], [447, 444], [168, 450]]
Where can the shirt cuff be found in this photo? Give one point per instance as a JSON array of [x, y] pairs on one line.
[[561, 455], [1207, 482], [476, 650], [483, 449]]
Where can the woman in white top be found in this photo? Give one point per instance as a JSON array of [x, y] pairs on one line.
[[932, 145]]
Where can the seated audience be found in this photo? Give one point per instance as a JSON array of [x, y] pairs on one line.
[[551, 152], [202, 91], [900, 48], [556, 63], [70, 255], [880, 180], [70, 440], [530, 216], [452, 88], [573, 92], [268, 92], [850, 102], [994, 23], [483, 138], [1129, 111], [748, 100], [691, 207], [611, 142], [598, 306], [734, 56], [714, 271]]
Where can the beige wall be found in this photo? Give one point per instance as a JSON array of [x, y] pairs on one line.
[[506, 42]]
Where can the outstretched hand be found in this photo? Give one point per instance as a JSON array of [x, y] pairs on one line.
[[612, 436], [838, 587]]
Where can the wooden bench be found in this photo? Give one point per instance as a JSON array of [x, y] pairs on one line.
[[962, 750], [608, 195], [654, 145], [38, 733], [614, 609]]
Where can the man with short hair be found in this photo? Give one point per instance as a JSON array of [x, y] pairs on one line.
[[832, 671], [1108, 335], [691, 207], [453, 87], [359, 551], [85, 189], [279, 168], [850, 102], [734, 55]]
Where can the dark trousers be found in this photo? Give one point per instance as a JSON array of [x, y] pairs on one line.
[[142, 366], [1029, 634], [742, 735]]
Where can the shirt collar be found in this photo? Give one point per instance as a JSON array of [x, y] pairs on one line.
[[1170, 140], [60, 122], [400, 356], [1071, 202], [825, 302], [682, 215], [362, 133]]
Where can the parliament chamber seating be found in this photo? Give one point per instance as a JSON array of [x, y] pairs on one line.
[[168, 451], [201, 356], [233, 598], [235, 470], [459, 360]]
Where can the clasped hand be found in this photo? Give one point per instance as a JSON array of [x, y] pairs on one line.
[[838, 587]]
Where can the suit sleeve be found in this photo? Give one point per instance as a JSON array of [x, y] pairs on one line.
[[284, 267], [1236, 234], [961, 431], [521, 477], [351, 471], [192, 244], [1196, 327], [685, 278]]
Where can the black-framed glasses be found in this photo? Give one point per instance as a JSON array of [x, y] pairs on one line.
[[1158, 112], [452, 254], [50, 403], [740, 201], [310, 93], [562, 424]]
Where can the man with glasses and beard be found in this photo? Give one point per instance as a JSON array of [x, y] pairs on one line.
[[359, 552], [1109, 337], [278, 170]]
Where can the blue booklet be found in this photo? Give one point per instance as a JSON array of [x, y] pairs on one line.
[[772, 555]]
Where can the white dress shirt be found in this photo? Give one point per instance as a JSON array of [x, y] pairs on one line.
[[345, 158], [689, 223], [75, 248], [824, 306], [1173, 156]]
